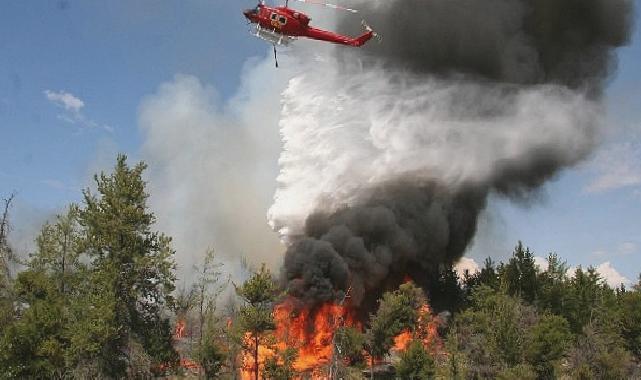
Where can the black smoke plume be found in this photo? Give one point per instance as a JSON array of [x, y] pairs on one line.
[[569, 42]]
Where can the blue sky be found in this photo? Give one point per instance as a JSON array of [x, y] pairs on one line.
[[111, 55]]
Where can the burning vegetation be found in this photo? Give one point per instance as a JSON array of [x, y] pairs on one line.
[[329, 337]]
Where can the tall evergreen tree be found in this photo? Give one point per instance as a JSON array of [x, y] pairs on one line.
[[584, 297], [553, 286], [519, 275], [631, 318], [256, 317], [487, 276], [132, 268], [36, 344]]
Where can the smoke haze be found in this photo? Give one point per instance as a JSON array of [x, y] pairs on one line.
[[213, 166]]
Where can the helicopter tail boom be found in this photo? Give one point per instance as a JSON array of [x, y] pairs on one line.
[[324, 35]]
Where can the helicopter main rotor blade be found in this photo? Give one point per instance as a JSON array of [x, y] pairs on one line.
[[334, 6]]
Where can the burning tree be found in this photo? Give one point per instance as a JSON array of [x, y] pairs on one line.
[[256, 317], [403, 318], [328, 337]]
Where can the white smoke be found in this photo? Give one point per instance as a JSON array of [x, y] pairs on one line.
[[212, 166], [352, 128]]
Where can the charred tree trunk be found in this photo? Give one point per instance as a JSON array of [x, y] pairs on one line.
[[256, 355]]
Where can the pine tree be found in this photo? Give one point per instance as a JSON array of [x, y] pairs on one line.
[[256, 317], [416, 363], [36, 343], [553, 286], [132, 269], [546, 343], [631, 319], [519, 275]]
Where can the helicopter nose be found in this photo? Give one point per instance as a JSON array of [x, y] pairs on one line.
[[247, 12]]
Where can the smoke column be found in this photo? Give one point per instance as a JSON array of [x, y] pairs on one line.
[[390, 152]]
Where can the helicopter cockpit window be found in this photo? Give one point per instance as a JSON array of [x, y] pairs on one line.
[[282, 20], [274, 16]]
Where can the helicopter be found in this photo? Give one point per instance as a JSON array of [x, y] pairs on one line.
[[282, 25]]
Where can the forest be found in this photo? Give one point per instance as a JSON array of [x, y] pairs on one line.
[[98, 298]]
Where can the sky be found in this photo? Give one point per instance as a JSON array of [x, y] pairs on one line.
[[76, 76]]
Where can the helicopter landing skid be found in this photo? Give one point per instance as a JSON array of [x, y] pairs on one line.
[[272, 36]]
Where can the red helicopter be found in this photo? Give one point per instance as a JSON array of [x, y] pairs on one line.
[[281, 25]]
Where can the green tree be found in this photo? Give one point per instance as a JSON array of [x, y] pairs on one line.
[[453, 365], [59, 247], [92, 325], [210, 356], [350, 342], [553, 289], [546, 343], [599, 355], [131, 270], [585, 294], [208, 287], [487, 276], [506, 319], [33, 345], [446, 293], [519, 275], [397, 311], [281, 365], [630, 302], [416, 363], [256, 318], [490, 335], [36, 343]]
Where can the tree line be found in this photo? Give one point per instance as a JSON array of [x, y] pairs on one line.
[[98, 299]]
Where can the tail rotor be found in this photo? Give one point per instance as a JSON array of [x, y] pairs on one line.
[[368, 28]]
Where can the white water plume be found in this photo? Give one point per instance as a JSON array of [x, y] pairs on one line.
[[349, 129]]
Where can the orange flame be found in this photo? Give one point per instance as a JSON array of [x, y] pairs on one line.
[[248, 365], [426, 331], [402, 340], [311, 332]]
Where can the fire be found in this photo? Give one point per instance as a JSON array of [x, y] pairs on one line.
[[311, 332], [249, 366], [402, 340]]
